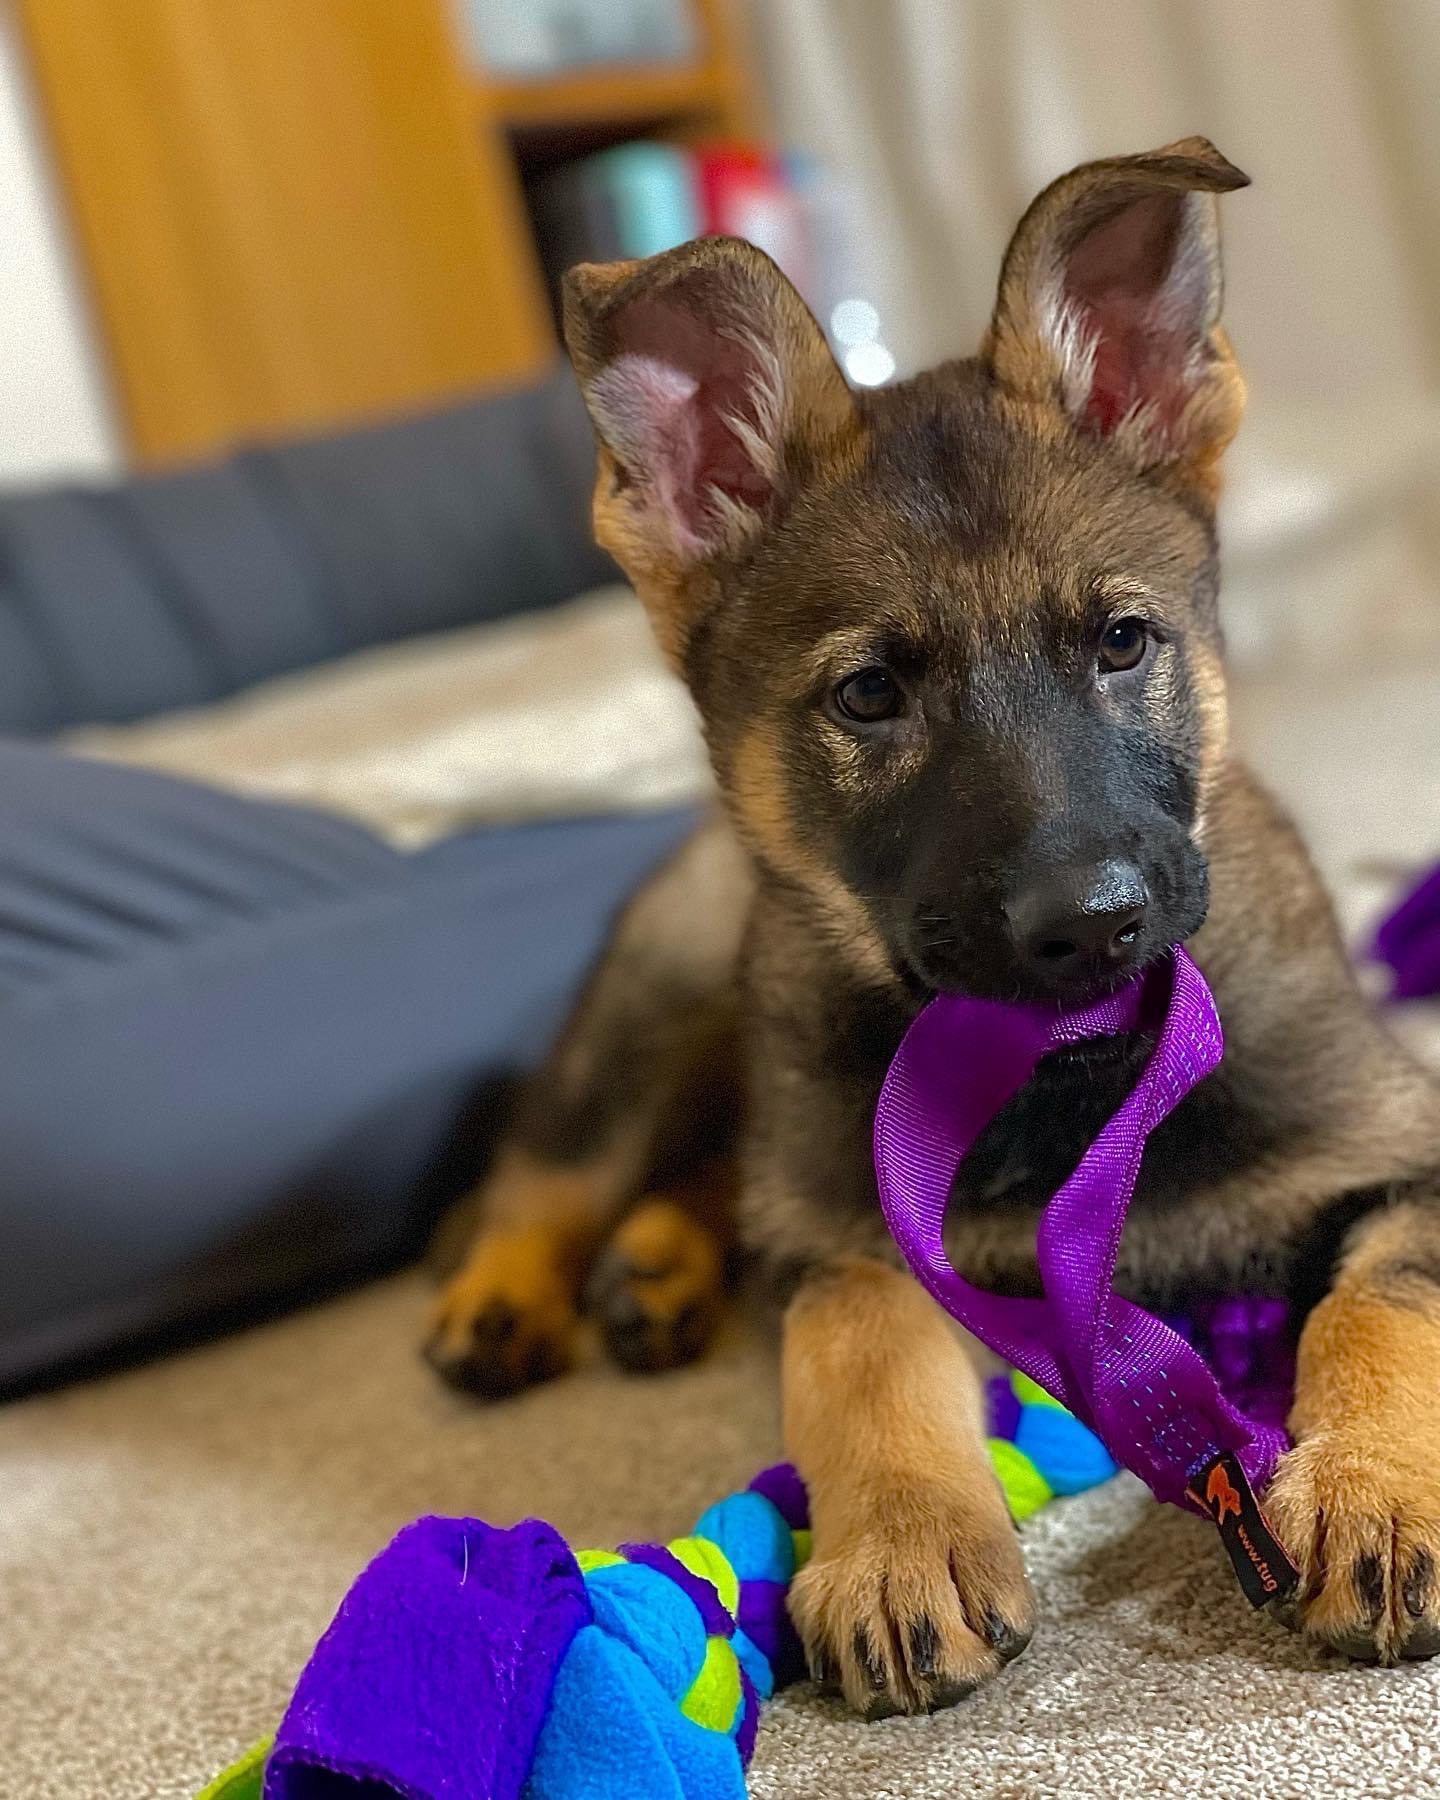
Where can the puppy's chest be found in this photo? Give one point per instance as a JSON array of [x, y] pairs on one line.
[[1035, 1143], [1181, 1239], [1032, 1147], [822, 1070]]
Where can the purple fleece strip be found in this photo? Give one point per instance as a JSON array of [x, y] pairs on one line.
[[763, 1617], [782, 1487], [1002, 1407], [749, 1718], [435, 1675], [713, 1616]]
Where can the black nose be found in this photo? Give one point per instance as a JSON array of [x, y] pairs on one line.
[[1082, 920]]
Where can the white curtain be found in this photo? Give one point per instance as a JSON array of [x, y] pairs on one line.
[[945, 116]]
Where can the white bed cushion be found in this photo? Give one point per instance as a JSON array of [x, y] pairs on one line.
[[555, 714]]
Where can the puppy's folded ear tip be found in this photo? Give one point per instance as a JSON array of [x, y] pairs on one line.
[[592, 294], [583, 282], [1218, 173], [585, 287], [593, 283], [587, 291]]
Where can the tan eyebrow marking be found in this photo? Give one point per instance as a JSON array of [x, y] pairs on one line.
[[1113, 590], [851, 647], [1122, 587]]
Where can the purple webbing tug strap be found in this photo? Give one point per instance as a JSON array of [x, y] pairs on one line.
[[1148, 1395]]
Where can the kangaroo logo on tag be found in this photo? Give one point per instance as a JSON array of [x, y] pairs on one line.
[[1222, 1490], [1221, 1495]]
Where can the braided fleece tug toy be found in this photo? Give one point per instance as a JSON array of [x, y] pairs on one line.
[[479, 1664], [470, 1663]]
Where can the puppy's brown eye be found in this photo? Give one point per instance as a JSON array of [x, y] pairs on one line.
[[868, 696], [1123, 646]]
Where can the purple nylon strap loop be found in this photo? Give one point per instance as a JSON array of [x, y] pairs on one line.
[[1149, 1396]]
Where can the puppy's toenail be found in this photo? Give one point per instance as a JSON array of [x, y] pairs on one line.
[[1418, 1578], [480, 1378], [870, 1660], [950, 1693], [630, 1340], [1359, 1646], [624, 1313], [495, 1325], [924, 1646], [689, 1323], [1369, 1578], [824, 1670], [1005, 1639]]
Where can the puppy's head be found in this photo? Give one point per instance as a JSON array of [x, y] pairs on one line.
[[954, 642]]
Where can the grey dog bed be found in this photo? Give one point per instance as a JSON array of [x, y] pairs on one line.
[[249, 1048]]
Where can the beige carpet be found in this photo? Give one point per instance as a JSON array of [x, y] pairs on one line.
[[172, 1541]]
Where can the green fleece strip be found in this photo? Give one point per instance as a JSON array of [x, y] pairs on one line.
[[243, 1780]]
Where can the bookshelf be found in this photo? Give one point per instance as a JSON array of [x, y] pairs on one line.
[[293, 215], [630, 95], [713, 96]]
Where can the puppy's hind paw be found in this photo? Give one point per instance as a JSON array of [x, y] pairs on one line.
[[658, 1288], [507, 1320]]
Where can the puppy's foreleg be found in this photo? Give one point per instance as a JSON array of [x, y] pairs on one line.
[[1357, 1500], [916, 1590]]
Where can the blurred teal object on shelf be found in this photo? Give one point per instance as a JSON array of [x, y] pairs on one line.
[[652, 189]]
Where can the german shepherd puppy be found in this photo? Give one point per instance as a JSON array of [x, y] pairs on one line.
[[956, 649]]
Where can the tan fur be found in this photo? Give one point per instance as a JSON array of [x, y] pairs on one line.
[[1208, 682], [515, 1292], [758, 804], [915, 1591], [521, 1278]]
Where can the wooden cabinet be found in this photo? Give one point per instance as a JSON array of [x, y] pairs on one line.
[[294, 214]]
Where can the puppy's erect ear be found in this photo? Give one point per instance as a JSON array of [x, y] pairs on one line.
[[1109, 308], [713, 392]]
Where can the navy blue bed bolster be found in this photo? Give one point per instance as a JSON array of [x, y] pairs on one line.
[[237, 1037], [183, 587]]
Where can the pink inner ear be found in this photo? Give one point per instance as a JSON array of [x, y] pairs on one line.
[[667, 398], [1141, 292]]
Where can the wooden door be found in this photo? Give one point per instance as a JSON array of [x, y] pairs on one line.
[[292, 212]]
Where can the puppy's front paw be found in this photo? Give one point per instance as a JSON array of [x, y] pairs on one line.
[[915, 1600], [508, 1319], [1362, 1521]]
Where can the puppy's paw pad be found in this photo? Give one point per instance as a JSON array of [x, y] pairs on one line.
[[658, 1288], [915, 1607], [507, 1320], [1363, 1526]]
